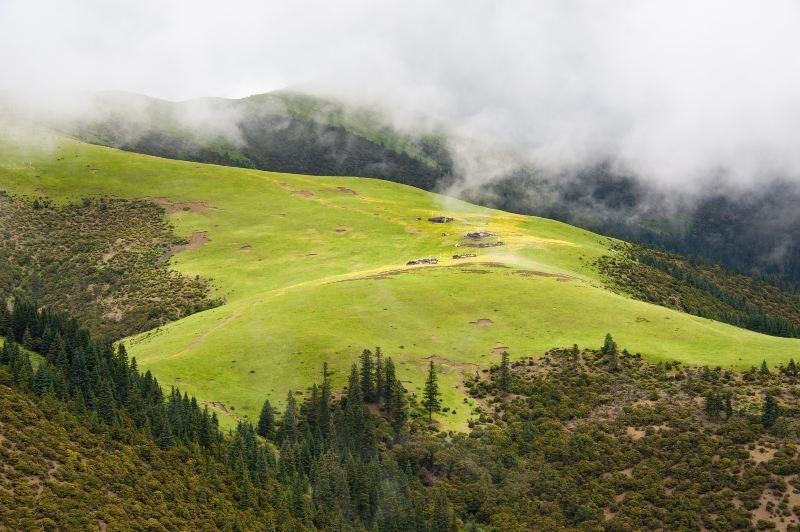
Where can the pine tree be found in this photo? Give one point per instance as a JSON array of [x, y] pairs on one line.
[[42, 380], [243, 482], [289, 421], [324, 414], [504, 379], [357, 433], [398, 408], [379, 376], [204, 437], [331, 491], [27, 340], [714, 405], [431, 394], [388, 383], [367, 376], [165, 438], [608, 345], [770, 412], [764, 369], [105, 403], [55, 348], [266, 421], [728, 405], [22, 370], [791, 369], [610, 350]]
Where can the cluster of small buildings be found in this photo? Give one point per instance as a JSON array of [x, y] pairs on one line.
[[422, 261], [480, 244]]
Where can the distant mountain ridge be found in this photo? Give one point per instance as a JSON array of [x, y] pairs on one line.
[[278, 131]]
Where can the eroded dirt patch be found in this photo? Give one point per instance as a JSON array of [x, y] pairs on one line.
[[198, 239], [171, 207], [246, 248], [345, 190], [482, 322]]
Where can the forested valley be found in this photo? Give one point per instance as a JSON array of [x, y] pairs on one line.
[[589, 439]]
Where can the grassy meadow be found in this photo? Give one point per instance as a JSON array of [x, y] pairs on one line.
[[313, 269]]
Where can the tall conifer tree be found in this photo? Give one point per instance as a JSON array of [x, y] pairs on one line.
[[431, 394]]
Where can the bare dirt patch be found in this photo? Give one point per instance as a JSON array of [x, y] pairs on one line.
[[412, 230], [482, 322], [246, 248], [635, 434], [762, 454], [198, 239], [343, 229], [345, 190], [219, 405], [171, 207], [533, 273], [303, 193]]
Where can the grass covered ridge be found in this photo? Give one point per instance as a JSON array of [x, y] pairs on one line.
[[313, 269]]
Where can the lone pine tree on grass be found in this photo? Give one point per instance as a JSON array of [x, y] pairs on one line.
[[431, 394]]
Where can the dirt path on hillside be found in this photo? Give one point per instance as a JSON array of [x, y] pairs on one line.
[[197, 341]]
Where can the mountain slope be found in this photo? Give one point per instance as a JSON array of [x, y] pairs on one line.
[[313, 268], [282, 131], [749, 231]]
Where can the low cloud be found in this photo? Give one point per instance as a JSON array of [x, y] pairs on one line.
[[675, 93]]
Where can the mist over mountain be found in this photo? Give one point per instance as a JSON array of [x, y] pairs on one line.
[[673, 124]]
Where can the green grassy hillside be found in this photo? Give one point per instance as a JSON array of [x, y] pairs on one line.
[[313, 269]]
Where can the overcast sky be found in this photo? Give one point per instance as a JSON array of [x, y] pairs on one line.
[[672, 90]]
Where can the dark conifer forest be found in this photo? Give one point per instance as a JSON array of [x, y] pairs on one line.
[[601, 439]]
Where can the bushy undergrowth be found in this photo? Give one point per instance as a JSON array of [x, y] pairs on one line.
[[103, 260]]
